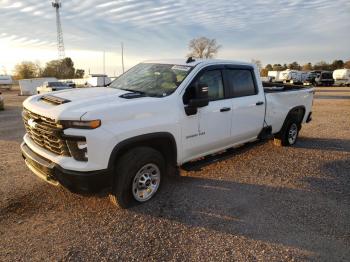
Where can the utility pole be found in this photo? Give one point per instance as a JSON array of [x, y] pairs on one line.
[[123, 57], [60, 45], [104, 62]]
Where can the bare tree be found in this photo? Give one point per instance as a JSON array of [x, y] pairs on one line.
[[203, 47], [257, 63]]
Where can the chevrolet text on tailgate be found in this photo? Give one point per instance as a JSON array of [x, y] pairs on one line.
[[157, 116]]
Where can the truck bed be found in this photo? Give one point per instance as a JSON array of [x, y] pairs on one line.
[[270, 87], [280, 99]]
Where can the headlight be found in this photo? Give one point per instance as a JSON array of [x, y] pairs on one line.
[[80, 124]]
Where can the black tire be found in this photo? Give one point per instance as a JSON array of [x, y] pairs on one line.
[[127, 167], [289, 133]]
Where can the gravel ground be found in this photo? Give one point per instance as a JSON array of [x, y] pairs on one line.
[[265, 203]]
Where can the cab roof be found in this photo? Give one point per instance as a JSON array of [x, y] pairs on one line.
[[196, 62]]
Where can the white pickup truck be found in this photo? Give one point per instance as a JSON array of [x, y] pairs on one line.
[[159, 115]]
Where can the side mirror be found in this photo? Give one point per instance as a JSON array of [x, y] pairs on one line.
[[200, 99]]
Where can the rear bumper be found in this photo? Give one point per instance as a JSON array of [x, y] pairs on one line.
[[77, 182]]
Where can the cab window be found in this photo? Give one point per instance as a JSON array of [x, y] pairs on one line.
[[215, 84], [213, 79], [241, 82]]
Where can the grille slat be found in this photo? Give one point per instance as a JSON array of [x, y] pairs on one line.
[[46, 133]]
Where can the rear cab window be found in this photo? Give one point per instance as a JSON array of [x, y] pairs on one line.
[[241, 82]]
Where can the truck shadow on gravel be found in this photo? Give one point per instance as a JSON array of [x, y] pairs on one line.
[[290, 217], [342, 145], [336, 184]]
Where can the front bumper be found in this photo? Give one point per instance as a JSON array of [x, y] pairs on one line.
[[75, 181]]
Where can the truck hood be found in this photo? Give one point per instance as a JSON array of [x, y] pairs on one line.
[[88, 93], [76, 102]]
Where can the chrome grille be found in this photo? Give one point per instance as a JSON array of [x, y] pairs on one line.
[[45, 132]]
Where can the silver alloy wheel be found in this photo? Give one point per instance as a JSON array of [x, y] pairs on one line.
[[146, 182], [292, 134]]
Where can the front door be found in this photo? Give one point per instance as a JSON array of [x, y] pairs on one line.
[[209, 129]]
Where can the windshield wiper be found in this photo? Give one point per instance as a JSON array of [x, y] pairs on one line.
[[133, 91]]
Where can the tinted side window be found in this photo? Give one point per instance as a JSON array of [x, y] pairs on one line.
[[241, 82], [215, 84]]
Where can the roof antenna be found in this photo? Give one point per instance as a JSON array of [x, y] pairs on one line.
[[190, 60]]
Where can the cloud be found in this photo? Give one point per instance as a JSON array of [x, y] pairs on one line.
[[164, 27]]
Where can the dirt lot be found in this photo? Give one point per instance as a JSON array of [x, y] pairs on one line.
[[265, 203]]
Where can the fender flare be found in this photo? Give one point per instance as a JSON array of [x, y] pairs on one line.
[[291, 111], [144, 140]]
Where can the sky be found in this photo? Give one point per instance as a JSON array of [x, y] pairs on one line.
[[268, 30]]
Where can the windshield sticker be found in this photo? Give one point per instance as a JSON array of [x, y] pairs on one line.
[[181, 68]]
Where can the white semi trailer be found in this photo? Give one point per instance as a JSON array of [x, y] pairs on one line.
[[293, 76], [342, 77], [28, 86]]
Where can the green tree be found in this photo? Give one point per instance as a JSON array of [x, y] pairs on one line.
[[294, 66], [62, 69], [79, 73], [26, 70], [347, 64], [203, 47], [268, 67], [337, 64], [307, 67], [277, 67]]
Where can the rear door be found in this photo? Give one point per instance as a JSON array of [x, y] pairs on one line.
[[248, 103]]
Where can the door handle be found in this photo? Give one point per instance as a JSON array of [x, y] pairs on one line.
[[225, 109], [259, 103]]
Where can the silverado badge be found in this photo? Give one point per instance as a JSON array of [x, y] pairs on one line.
[[31, 123]]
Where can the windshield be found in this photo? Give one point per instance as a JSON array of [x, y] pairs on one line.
[[327, 75], [152, 79]]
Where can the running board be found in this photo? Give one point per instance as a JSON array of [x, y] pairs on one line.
[[197, 165]]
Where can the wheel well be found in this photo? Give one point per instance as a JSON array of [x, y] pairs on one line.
[[297, 113], [162, 142]]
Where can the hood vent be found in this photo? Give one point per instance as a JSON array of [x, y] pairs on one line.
[[54, 100], [132, 95]]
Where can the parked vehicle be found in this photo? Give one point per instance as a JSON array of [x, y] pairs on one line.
[[70, 84], [48, 87], [275, 76], [342, 77], [325, 78], [98, 80], [154, 118], [29, 86], [2, 103], [310, 80], [5, 80], [267, 79], [293, 76]]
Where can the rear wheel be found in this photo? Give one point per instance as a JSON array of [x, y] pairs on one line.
[[138, 177], [289, 135]]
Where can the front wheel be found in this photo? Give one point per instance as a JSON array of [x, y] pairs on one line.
[[138, 177], [289, 134]]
